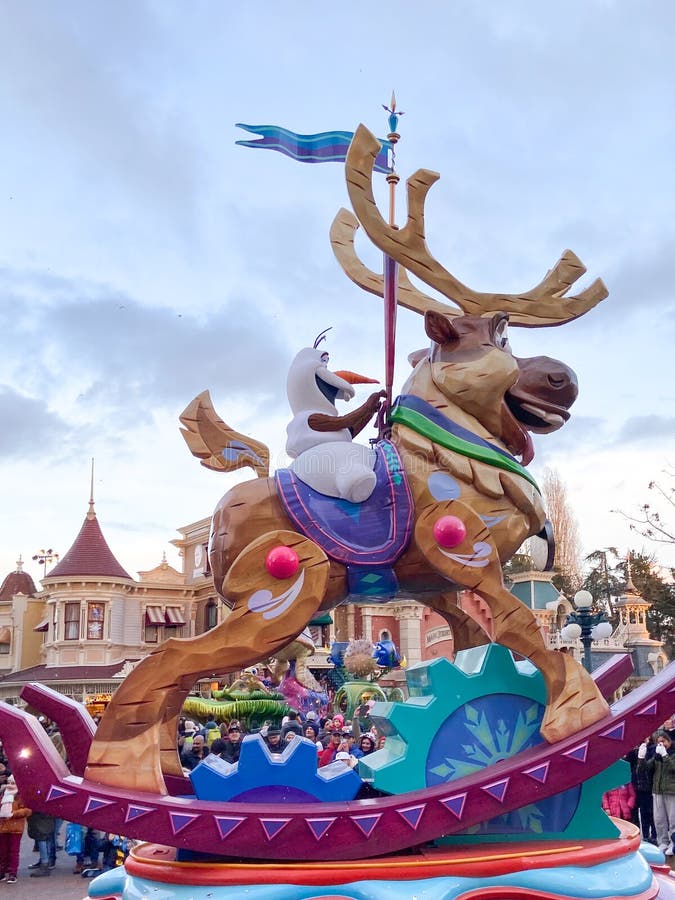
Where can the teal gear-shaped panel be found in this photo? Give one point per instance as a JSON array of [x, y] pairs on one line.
[[264, 777], [465, 716]]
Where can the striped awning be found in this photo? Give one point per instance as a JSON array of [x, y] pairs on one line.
[[43, 626], [174, 616], [154, 615], [5, 635]]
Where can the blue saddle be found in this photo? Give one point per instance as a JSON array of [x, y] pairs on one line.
[[366, 537]]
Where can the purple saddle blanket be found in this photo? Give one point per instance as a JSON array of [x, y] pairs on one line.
[[374, 532]]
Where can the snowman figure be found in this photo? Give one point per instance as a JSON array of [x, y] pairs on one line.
[[319, 439]]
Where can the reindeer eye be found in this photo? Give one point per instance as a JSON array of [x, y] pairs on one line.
[[501, 337]]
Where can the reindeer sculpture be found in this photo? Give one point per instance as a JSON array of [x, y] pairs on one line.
[[464, 416]]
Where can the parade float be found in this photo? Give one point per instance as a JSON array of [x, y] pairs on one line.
[[358, 666], [248, 700], [489, 781]]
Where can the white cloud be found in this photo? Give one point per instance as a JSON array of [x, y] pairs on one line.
[[145, 257]]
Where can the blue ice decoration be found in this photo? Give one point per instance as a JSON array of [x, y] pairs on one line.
[[443, 486]]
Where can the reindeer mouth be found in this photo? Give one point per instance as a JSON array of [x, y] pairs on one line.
[[523, 414], [534, 413], [515, 435]]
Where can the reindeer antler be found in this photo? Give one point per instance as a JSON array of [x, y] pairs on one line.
[[342, 233], [545, 304]]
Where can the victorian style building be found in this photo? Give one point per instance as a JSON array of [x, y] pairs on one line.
[[92, 621]]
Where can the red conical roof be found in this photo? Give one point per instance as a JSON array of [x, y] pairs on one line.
[[90, 553], [17, 582]]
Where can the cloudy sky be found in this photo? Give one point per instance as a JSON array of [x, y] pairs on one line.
[[145, 257]]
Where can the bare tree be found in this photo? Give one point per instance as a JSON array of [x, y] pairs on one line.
[[565, 530], [650, 522]]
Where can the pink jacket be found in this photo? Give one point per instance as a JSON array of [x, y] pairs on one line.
[[620, 802]]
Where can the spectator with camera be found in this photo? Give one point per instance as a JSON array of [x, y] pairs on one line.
[[662, 764]]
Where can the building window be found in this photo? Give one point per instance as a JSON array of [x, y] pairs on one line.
[[95, 617], [173, 617], [5, 640], [211, 615], [154, 620], [71, 622], [385, 635], [201, 557]]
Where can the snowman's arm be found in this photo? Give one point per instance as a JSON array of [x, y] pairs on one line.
[[355, 421]]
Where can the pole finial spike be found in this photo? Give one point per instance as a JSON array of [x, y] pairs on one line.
[[91, 514], [629, 585]]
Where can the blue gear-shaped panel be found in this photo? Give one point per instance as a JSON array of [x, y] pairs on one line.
[[264, 777], [463, 717]]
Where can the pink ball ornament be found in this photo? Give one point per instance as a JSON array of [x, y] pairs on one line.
[[282, 562], [449, 531]]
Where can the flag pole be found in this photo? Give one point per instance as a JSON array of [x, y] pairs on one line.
[[390, 275]]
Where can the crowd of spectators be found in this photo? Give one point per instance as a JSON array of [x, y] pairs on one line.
[[96, 850], [648, 800], [335, 741]]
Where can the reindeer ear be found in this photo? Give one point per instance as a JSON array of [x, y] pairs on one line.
[[417, 355], [440, 328]]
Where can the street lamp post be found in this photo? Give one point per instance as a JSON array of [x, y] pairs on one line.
[[586, 625], [45, 558]]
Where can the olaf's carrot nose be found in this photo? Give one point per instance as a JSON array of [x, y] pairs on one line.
[[355, 378]]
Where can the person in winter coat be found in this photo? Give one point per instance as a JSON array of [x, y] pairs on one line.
[[327, 755], [620, 802], [643, 778], [291, 724], [311, 732], [211, 732], [232, 746], [13, 816], [41, 829], [197, 752], [663, 766]]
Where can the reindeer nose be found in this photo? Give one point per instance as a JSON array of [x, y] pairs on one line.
[[548, 378], [559, 381]]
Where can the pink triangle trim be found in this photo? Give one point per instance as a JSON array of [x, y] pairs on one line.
[[650, 710], [578, 753], [96, 803], [458, 800], [135, 812], [227, 824], [539, 773], [272, 827], [412, 815], [179, 821], [615, 733], [497, 789], [56, 792], [319, 827], [367, 823]]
